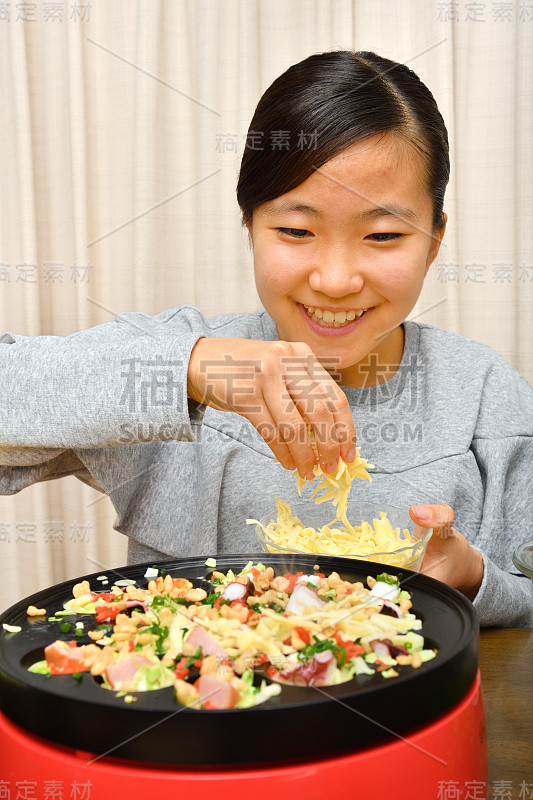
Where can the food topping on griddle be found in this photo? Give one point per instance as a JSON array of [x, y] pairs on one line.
[[235, 645], [31, 611]]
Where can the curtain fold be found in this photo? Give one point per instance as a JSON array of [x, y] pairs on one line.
[[121, 135]]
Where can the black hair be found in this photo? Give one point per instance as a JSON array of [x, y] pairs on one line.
[[328, 102]]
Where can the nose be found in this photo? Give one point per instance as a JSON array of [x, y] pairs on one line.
[[337, 275]]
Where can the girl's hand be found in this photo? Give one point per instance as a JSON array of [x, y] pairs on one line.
[[276, 386], [449, 557]]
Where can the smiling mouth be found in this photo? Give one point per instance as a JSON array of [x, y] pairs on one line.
[[330, 319]]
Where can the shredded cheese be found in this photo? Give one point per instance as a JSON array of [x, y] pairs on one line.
[[336, 488], [378, 541]]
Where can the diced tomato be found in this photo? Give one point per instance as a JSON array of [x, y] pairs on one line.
[[197, 663], [131, 645], [107, 597], [68, 668], [63, 658], [238, 603], [272, 671], [303, 633], [292, 580], [319, 575], [262, 658], [352, 650], [106, 613], [209, 706], [255, 572], [182, 671], [218, 602]]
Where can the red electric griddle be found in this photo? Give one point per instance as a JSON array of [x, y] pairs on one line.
[[428, 720]]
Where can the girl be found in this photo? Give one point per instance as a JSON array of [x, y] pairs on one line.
[[178, 418]]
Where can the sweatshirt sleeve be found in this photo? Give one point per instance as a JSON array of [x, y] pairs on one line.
[[98, 388], [503, 448], [504, 600]]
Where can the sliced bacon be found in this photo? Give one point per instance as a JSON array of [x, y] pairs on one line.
[[199, 637], [124, 671], [219, 694]]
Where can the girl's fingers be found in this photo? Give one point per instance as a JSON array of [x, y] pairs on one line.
[[439, 517], [328, 412], [345, 426], [321, 423], [345, 433], [268, 429], [279, 387], [291, 426]]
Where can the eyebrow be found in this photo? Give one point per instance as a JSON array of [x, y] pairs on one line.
[[393, 210]]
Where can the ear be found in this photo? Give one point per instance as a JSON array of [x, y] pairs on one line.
[[436, 241]]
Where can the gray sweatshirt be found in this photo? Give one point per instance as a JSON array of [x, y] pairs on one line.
[[453, 425]]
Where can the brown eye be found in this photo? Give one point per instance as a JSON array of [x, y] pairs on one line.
[[296, 233], [384, 237]]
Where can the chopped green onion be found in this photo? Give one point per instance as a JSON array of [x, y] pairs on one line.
[[197, 655], [393, 580]]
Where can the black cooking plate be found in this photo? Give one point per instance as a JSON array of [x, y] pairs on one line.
[[300, 723]]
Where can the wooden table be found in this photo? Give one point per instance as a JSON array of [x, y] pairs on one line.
[[506, 663]]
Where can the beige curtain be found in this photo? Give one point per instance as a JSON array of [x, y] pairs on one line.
[[121, 133]]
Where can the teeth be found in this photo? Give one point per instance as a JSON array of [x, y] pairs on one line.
[[333, 320]]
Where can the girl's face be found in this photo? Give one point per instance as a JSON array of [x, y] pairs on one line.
[[340, 260]]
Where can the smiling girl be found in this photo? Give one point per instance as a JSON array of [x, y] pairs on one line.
[[343, 233]]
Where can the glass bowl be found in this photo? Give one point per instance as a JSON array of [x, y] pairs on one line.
[[523, 558], [315, 516]]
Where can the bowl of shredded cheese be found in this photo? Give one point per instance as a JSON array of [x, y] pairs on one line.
[[374, 532]]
